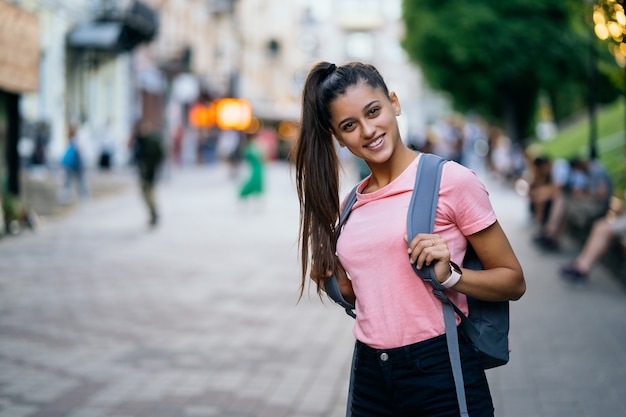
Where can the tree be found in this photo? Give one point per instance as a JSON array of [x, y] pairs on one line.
[[495, 57]]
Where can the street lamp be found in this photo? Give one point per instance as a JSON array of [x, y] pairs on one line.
[[609, 18], [592, 86]]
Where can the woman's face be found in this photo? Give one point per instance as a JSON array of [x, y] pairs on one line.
[[364, 120]]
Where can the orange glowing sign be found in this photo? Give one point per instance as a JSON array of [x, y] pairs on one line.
[[202, 115], [233, 113]]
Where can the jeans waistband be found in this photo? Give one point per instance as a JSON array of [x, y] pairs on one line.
[[404, 353]]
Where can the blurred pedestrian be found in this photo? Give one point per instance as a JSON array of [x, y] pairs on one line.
[[74, 167], [255, 160], [147, 147], [500, 156], [398, 318], [584, 198], [178, 135], [42, 137], [547, 181], [107, 146], [593, 199], [603, 232], [229, 149], [539, 189]]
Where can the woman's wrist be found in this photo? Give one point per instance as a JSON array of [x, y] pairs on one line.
[[455, 276]]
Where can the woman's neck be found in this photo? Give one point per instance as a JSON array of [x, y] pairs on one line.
[[383, 175]]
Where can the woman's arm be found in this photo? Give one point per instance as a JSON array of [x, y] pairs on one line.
[[502, 277]]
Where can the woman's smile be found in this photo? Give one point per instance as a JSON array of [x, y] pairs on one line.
[[376, 144]]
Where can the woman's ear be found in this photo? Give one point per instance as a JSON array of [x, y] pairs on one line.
[[395, 103]]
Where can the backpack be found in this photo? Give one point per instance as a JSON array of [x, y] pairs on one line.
[[487, 324], [71, 158]]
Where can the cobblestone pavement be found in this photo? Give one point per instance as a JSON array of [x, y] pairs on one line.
[[102, 317]]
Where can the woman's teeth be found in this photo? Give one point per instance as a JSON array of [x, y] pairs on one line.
[[375, 143]]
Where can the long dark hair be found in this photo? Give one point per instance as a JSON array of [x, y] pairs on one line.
[[317, 164]]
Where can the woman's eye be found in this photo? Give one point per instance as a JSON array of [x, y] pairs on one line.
[[348, 126], [374, 111]]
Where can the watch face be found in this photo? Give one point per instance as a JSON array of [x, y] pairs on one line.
[[455, 267]]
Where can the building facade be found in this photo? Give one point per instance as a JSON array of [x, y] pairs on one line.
[[105, 64], [19, 74]]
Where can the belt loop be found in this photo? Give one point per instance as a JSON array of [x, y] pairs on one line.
[[408, 353], [358, 347]]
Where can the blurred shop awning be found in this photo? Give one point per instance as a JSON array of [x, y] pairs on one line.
[[118, 29], [95, 35]]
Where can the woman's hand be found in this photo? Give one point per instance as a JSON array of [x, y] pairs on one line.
[[344, 283], [430, 249]]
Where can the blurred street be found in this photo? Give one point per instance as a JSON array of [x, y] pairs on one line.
[[101, 316]]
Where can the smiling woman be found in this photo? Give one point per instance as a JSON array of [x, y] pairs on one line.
[[372, 258]]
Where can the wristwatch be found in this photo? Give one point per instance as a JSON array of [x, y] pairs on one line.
[[455, 276]]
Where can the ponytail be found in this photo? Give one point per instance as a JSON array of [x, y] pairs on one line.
[[317, 165], [317, 181]]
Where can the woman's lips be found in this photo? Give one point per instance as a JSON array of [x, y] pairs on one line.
[[375, 144]]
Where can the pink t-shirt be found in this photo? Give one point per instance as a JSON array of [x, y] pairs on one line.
[[394, 306]]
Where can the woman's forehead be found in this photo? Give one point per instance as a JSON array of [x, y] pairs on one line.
[[357, 95]]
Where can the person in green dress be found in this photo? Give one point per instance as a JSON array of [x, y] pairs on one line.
[[253, 155]]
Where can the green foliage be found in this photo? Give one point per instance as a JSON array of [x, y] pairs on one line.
[[495, 56]]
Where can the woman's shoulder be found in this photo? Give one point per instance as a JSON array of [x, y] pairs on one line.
[[456, 174], [465, 198]]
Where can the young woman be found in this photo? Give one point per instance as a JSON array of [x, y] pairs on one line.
[[400, 365]]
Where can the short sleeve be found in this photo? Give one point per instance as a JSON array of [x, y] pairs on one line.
[[560, 172], [464, 200]]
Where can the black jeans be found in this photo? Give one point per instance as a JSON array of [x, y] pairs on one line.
[[416, 380]]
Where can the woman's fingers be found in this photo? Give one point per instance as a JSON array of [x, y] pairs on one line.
[[426, 248]]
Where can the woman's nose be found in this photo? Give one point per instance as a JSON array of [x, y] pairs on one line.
[[368, 129]]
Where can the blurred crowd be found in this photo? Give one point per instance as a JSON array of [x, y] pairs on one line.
[[473, 143], [575, 196]]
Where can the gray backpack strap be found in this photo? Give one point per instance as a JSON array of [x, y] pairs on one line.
[[331, 285], [347, 208], [421, 219]]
